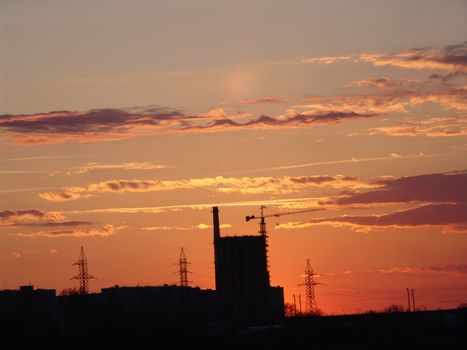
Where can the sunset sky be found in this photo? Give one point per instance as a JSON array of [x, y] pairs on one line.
[[123, 122]]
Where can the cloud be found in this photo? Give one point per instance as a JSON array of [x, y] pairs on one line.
[[167, 228], [15, 255], [389, 101], [394, 96], [443, 197], [325, 59], [448, 269], [450, 57], [454, 98], [433, 127], [183, 228], [206, 226], [455, 229], [124, 166], [201, 206], [8, 216], [13, 172], [294, 119], [243, 185], [426, 215], [40, 158], [105, 231], [392, 156], [385, 83], [69, 223], [90, 126], [219, 113], [266, 100], [118, 124], [430, 188], [35, 217]]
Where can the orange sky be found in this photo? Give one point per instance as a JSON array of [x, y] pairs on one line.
[[121, 126]]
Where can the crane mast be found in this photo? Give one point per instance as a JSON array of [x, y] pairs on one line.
[[262, 222]]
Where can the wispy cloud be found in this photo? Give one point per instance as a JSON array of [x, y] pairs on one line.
[[283, 203], [394, 95], [42, 157], [389, 102], [243, 185], [123, 166], [432, 127], [35, 217], [167, 228], [266, 100], [23, 172], [386, 83], [326, 59], [105, 231], [392, 156], [450, 57], [183, 228], [448, 269]]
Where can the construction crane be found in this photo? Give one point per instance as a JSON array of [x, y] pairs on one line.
[[262, 222]]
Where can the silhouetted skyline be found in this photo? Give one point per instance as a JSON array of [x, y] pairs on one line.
[[123, 123]]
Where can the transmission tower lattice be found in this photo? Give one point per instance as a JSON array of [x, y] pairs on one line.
[[183, 269], [83, 276], [311, 306]]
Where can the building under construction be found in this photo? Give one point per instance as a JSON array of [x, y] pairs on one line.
[[242, 278]]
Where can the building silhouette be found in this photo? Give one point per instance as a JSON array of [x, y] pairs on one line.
[[243, 288]]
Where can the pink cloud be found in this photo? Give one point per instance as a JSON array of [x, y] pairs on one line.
[[118, 124], [450, 57]]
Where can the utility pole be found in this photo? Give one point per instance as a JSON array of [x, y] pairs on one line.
[[300, 303], [294, 306], [411, 295], [408, 299], [83, 276]]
